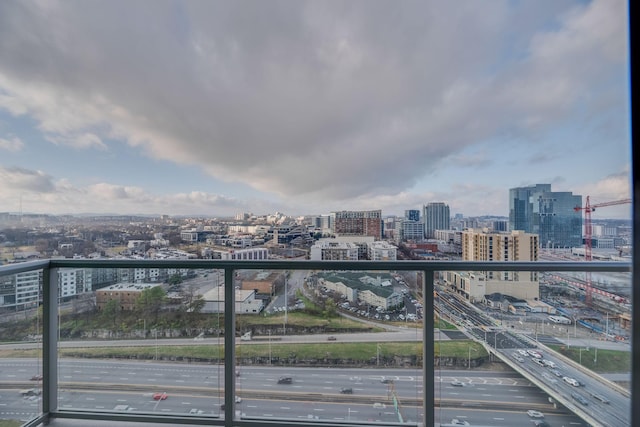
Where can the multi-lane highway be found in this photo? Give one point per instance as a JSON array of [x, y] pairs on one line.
[[583, 392], [485, 398]]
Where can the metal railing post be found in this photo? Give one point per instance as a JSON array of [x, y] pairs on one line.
[[229, 346], [49, 341], [428, 350]]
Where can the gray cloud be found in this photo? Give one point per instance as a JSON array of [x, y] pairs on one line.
[[313, 99], [18, 180]]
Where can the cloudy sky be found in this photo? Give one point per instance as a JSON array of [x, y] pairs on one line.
[[306, 107]]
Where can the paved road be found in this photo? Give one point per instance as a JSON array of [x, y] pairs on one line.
[[314, 391]]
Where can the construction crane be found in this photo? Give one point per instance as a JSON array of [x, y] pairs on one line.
[[588, 232]]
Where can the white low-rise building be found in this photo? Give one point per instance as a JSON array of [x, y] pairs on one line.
[[245, 301], [332, 249]]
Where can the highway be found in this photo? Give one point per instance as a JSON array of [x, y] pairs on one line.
[[595, 399], [313, 394]]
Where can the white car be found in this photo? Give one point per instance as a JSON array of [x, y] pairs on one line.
[[571, 381], [535, 414], [457, 422]]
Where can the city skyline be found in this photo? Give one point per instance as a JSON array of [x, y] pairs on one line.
[[188, 108]]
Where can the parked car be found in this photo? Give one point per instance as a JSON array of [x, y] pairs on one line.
[[331, 338]]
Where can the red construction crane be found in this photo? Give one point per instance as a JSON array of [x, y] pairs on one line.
[[588, 231]]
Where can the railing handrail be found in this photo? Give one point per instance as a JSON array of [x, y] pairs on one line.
[[427, 267], [591, 266]]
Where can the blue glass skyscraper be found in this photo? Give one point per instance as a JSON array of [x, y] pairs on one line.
[[551, 215]]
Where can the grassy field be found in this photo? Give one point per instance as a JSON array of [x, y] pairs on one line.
[[362, 351], [607, 361]]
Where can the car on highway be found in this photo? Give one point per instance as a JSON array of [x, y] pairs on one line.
[[36, 378], [556, 373], [346, 390], [160, 396], [541, 423], [237, 400], [538, 362], [571, 381], [457, 422], [580, 398], [534, 354], [378, 405], [285, 380], [195, 411], [386, 380], [535, 414], [31, 392], [457, 383], [600, 397]]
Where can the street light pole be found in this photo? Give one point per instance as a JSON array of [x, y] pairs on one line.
[[269, 346], [286, 304], [469, 360]]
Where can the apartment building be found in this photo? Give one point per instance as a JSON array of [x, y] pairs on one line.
[[125, 293], [382, 251], [331, 249], [486, 245], [358, 223]]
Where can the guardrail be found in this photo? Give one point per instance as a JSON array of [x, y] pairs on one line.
[[427, 268]]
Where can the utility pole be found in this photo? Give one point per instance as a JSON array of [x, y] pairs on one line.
[[286, 304]]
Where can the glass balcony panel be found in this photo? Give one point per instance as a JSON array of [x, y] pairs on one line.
[[531, 346], [21, 331], [152, 346], [332, 356], [331, 346]]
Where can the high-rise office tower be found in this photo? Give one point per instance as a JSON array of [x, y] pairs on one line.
[[436, 217], [358, 223], [412, 214], [549, 214]]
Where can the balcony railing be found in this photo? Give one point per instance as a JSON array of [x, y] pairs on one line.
[[53, 407]]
